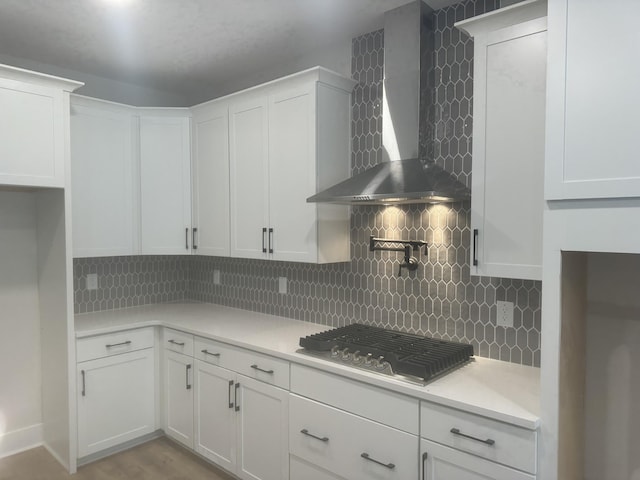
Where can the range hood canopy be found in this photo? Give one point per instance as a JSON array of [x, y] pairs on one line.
[[402, 177], [397, 182]]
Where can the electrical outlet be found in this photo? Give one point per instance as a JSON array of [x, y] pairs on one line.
[[216, 277], [504, 314], [282, 285], [92, 281]]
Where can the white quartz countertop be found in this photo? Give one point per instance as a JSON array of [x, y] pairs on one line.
[[499, 390]]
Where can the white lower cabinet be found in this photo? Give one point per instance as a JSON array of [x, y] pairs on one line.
[[444, 463], [215, 414], [178, 397], [301, 470], [116, 400], [241, 423]]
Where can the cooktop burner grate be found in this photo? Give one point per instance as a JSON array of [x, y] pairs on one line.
[[406, 354]]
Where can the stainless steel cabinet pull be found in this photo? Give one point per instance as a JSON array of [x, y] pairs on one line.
[[194, 245], [236, 397], [180, 344], [304, 431], [271, 240], [188, 384], [366, 456], [475, 247], [256, 367], [424, 466], [84, 389], [488, 441], [186, 238], [230, 385], [207, 352], [111, 345], [264, 240]]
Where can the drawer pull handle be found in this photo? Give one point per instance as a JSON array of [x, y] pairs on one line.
[[207, 352], [180, 344], [304, 431], [488, 441], [256, 367], [366, 456], [111, 345]]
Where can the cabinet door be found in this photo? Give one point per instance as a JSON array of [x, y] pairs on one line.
[[263, 431], [444, 463], [593, 100], [178, 387], [32, 134], [508, 151], [116, 400], [215, 436], [248, 140], [165, 185], [102, 172], [211, 182], [292, 175]]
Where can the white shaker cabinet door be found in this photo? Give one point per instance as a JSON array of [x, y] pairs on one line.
[[211, 181], [263, 431], [292, 175], [509, 102], [592, 120], [178, 397], [165, 185], [249, 178], [33, 129], [215, 436], [444, 463], [116, 400], [103, 167]]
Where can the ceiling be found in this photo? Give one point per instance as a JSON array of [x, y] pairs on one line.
[[181, 45]]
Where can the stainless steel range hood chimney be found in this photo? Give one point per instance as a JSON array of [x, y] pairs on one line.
[[402, 177]]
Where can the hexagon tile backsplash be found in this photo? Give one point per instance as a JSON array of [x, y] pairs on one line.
[[440, 299]]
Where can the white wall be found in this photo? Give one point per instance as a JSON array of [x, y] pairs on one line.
[[612, 447], [20, 392]]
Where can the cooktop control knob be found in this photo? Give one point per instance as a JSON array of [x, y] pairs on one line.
[[334, 351], [379, 363], [346, 356], [369, 360], [357, 359]]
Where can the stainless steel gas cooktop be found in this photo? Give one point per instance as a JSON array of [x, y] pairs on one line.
[[410, 357]]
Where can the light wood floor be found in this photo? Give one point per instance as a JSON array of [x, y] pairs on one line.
[[158, 459]]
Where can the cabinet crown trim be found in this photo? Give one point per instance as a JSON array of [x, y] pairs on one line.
[[504, 17]]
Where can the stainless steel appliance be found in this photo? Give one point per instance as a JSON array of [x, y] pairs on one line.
[[414, 358]]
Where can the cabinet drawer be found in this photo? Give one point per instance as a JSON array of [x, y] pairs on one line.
[[215, 353], [256, 365], [113, 344], [299, 470], [348, 445], [496, 441], [390, 408], [178, 341]]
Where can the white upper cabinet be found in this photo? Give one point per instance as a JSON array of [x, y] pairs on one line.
[[165, 183], [508, 140], [289, 139], [34, 128], [592, 121], [103, 173], [249, 179], [210, 179]]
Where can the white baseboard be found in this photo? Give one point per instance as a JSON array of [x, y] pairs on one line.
[[20, 440], [57, 457]]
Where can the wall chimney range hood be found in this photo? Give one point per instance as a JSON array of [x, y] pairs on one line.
[[402, 178]]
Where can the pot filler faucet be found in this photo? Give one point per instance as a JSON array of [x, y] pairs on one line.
[[410, 261]]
